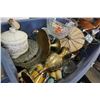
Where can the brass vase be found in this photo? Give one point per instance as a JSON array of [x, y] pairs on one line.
[[53, 62], [55, 59]]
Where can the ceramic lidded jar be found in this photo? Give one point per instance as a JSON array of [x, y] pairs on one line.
[[15, 41]]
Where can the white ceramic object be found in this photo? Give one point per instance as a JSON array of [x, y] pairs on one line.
[[15, 41], [14, 23]]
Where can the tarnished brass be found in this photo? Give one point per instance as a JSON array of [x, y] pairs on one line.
[[29, 76], [45, 44], [56, 44], [53, 74], [41, 78], [38, 74], [56, 59], [35, 71], [53, 62]]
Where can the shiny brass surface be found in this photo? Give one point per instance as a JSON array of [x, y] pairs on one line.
[[56, 44], [45, 44], [53, 62], [53, 74], [34, 72], [56, 59], [40, 78], [29, 76]]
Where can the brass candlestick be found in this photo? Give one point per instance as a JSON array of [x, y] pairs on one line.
[[56, 44]]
